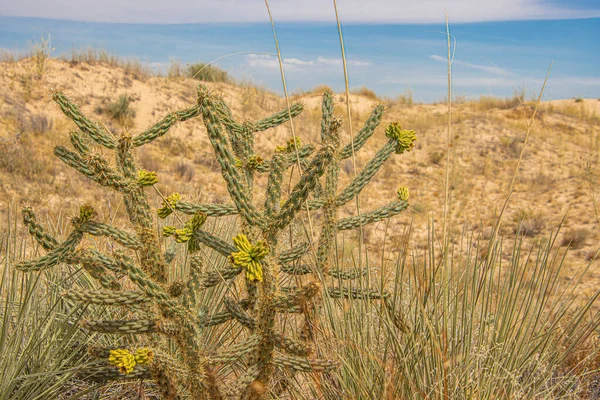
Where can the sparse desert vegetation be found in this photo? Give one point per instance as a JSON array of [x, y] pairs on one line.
[[482, 315]]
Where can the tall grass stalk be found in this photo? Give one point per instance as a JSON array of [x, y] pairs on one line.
[[349, 112], [41, 344], [496, 328]]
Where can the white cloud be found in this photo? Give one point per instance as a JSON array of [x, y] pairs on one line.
[[384, 11], [487, 68], [267, 61]]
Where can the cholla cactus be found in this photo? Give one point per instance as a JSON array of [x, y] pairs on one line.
[[256, 250]]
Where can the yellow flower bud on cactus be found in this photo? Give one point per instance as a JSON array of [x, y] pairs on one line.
[[403, 193], [86, 212], [144, 356], [405, 138], [249, 256], [238, 163], [168, 231], [146, 178], [290, 147], [183, 235], [197, 221], [168, 206], [254, 162], [123, 360]]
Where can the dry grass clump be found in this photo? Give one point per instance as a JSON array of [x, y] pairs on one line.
[[575, 238], [529, 222]]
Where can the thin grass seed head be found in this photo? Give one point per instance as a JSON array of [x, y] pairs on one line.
[[167, 207], [404, 137], [249, 256], [146, 178]]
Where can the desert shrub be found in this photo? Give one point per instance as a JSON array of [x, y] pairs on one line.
[[207, 73], [185, 170], [40, 123], [119, 110], [575, 238], [436, 157], [21, 160], [528, 222]]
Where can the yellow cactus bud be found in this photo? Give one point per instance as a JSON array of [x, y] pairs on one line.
[[290, 147], [197, 221], [249, 256], [169, 205], [183, 235], [86, 212], [123, 360], [146, 178], [168, 231], [403, 193], [254, 162], [405, 138], [144, 356]]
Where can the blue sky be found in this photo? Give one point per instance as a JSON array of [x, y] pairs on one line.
[[392, 46]]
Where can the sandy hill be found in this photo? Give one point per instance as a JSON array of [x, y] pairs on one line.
[[559, 176]]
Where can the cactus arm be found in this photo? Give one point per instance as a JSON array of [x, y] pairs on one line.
[[301, 364], [302, 189], [59, 254], [37, 231], [150, 288], [125, 239], [363, 178], [238, 313], [213, 278], [348, 274], [98, 266], [236, 351], [354, 293], [294, 253], [211, 210], [378, 214], [291, 346], [301, 269], [365, 133], [327, 109], [162, 127], [79, 144], [106, 297], [214, 242], [189, 298], [125, 327], [226, 160], [278, 118], [277, 167], [87, 126], [74, 161]]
